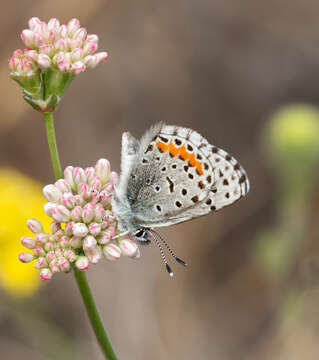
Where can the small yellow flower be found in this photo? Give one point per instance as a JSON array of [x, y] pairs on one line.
[[294, 129], [20, 199]]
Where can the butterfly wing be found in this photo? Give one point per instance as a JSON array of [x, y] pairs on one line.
[[177, 175]]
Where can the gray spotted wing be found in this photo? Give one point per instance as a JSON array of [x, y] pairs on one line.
[[177, 175]]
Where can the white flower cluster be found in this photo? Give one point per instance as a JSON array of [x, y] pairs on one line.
[[83, 224], [67, 48]]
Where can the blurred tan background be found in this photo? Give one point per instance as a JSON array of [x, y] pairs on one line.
[[222, 68]]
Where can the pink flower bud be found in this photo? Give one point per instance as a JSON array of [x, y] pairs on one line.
[[89, 243], [38, 251], [54, 266], [49, 208], [94, 255], [88, 213], [80, 229], [58, 234], [102, 56], [89, 173], [102, 170], [104, 237], [76, 54], [44, 61], [99, 212], [31, 55], [64, 65], [46, 49], [112, 230], [79, 200], [25, 257], [94, 228], [108, 188], [53, 24], [96, 184], [80, 33], [48, 246], [51, 193], [105, 198], [82, 263], [58, 252], [33, 22], [137, 254], [76, 213], [92, 38], [64, 242], [79, 176], [68, 229], [62, 31], [105, 223], [18, 53], [114, 176], [46, 274], [111, 252], [90, 47], [70, 255], [64, 264], [13, 62], [90, 61], [84, 191], [28, 242], [27, 37], [78, 67], [76, 242], [55, 226], [95, 196], [128, 247], [68, 175], [61, 214], [59, 46], [63, 185], [76, 43], [35, 226], [67, 199], [41, 238], [73, 26], [50, 256], [38, 40], [41, 263]]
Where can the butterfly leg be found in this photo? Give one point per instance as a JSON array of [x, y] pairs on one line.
[[124, 233]]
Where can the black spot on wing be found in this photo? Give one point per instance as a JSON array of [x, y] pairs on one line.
[[171, 184]]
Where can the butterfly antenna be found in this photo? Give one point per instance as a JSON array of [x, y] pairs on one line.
[[157, 235], [168, 268]]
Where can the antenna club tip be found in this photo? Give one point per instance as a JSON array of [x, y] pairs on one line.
[[181, 261], [169, 270]]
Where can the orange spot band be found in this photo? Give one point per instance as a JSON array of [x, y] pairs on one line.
[[182, 153]]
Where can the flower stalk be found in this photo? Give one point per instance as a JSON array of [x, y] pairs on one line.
[[80, 276], [50, 131]]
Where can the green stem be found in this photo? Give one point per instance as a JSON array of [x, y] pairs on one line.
[[55, 160], [80, 276], [94, 315]]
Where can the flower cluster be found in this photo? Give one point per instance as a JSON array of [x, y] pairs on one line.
[[54, 54], [83, 226], [65, 47]]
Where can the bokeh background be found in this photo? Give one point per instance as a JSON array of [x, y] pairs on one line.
[[245, 74]]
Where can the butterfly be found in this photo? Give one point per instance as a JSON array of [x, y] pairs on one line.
[[172, 175]]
